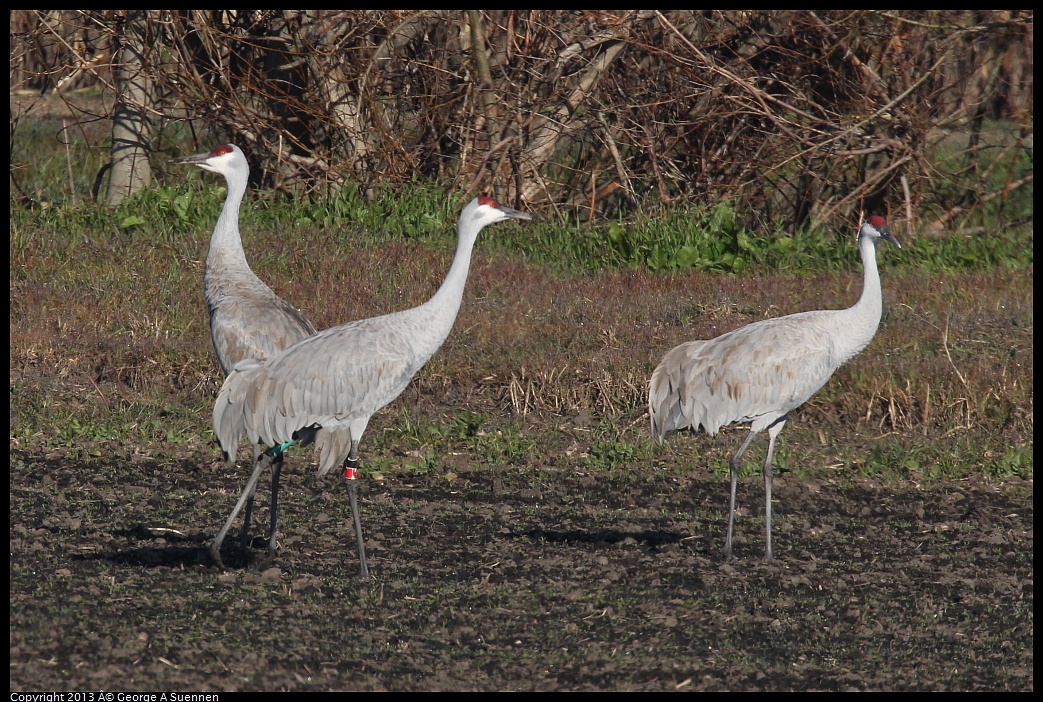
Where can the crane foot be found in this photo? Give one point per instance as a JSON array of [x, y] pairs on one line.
[[215, 555]]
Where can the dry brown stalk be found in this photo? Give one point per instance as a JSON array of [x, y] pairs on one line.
[[798, 117]]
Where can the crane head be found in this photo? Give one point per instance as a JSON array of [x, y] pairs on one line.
[[876, 228], [223, 159], [482, 211]]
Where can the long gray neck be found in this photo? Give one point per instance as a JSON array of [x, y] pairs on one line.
[[225, 243], [441, 310], [859, 323]]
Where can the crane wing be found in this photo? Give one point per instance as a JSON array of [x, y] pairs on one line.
[[757, 373], [229, 410], [248, 320], [331, 379]]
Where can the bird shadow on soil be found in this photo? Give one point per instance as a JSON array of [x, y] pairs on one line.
[[195, 552], [160, 556], [652, 539]]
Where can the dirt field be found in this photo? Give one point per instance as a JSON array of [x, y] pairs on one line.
[[554, 546], [501, 579]]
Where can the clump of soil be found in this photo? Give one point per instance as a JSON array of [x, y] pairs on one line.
[[504, 579]]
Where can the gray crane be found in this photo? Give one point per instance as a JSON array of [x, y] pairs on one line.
[[760, 372], [247, 318], [325, 388]]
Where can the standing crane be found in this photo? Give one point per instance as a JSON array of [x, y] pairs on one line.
[[247, 318], [325, 388], [760, 372]]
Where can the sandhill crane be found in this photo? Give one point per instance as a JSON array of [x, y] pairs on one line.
[[325, 388], [247, 318], [760, 372]]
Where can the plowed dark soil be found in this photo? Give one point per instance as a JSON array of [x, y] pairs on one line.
[[501, 579]]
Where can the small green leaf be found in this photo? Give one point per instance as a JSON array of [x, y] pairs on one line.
[[687, 256], [182, 203]]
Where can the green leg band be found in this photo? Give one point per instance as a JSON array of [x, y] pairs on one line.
[[276, 451]]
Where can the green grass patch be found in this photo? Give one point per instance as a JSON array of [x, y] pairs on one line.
[[561, 326]]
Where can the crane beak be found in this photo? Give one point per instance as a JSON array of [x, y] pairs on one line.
[[195, 159], [886, 233], [517, 214]]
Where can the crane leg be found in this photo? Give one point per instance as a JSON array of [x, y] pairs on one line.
[[276, 470], [773, 431], [251, 485], [735, 464], [352, 461], [244, 535]]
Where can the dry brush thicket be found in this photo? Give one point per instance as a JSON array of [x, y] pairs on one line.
[[795, 116]]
